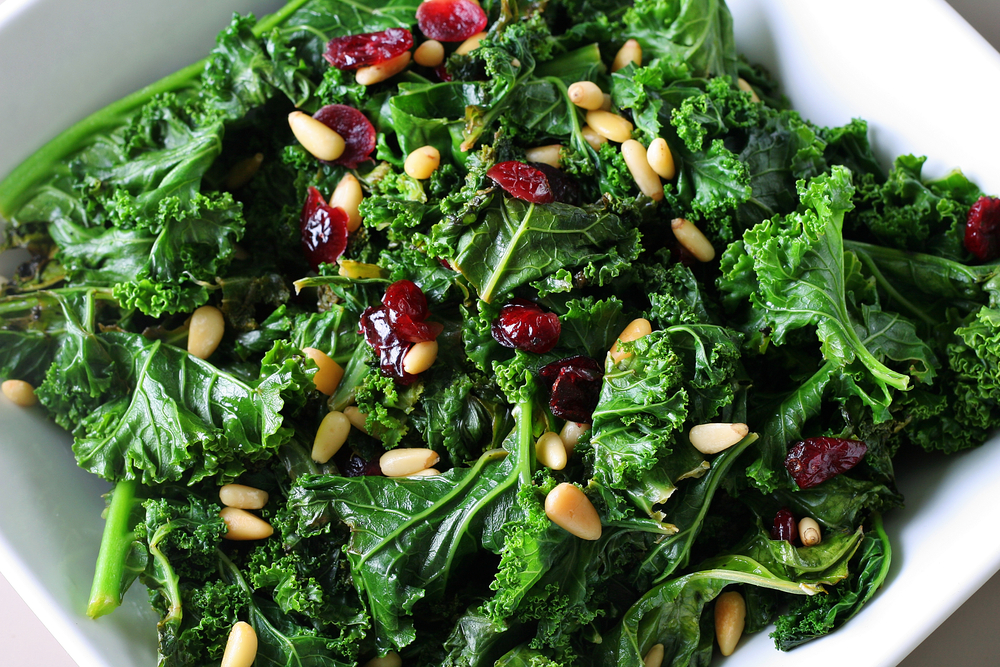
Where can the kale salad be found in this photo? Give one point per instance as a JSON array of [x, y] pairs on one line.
[[492, 333]]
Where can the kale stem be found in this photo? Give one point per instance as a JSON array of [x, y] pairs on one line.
[[109, 573]]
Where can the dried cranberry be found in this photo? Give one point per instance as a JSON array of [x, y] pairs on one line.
[[525, 326], [370, 48], [522, 181], [324, 230], [358, 467], [403, 297], [815, 460], [390, 348], [413, 331], [564, 187], [982, 229], [357, 131], [784, 526], [442, 73], [450, 20], [575, 384]]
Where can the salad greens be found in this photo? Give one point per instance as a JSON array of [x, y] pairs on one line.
[[842, 303]]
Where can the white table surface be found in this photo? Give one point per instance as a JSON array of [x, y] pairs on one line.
[[969, 637]]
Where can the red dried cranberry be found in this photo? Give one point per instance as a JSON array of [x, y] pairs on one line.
[[412, 331], [522, 181], [403, 297], [324, 230], [815, 460], [442, 73], [450, 20], [370, 48], [564, 187], [357, 131], [982, 229], [390, 348], [358, 467], [525, 326], [784, 526], [575, 387]]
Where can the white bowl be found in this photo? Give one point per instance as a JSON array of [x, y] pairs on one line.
[[916, 74]]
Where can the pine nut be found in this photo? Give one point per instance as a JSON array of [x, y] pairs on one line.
[[330, 373], [242, 526], [661, 160], [429, 54], [654, 657], [809, 532], [571, 433], [422, 162], [586, 95], [420, 357], [742, 84], [205, 331], [241, 648], [569, 508], [357, 418], [242, 172], [610, 126], [406, 461], [426, 472], [549, 155], [631, 52], [592, 137], [322, 142], [713, 438], [730, 615], [348, 196], [647, 179], [606, 103], [471, 44], [330, 436], [550, 451], [242, 497], [19, 393], [634, 330], [692, 239], [358, 270], [367, 76], [390, 659]]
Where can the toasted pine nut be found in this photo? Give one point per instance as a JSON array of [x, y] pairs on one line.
[[242, 526], [730, 615], [330, 373], [426, 472], [404, 462], [809, 532], [571, 433], [634, 330], [241, 172], [358, 270], [592, 137], [420, 357], [330, 436], [205, 331], [390, 659], [348, 196], [321, 141], [654, 656], [550, 451], [429, 54], [606, 103], [713, 438], [422, 162], [242, 497], [692, 239], [631, 52], [661, 160], [742, 84], [569, 508], [471, 44], [647, 179], [19, 393], [373, 74], [610, 126], [586, 95], [545, 154], [241, 648], [357, 418]]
